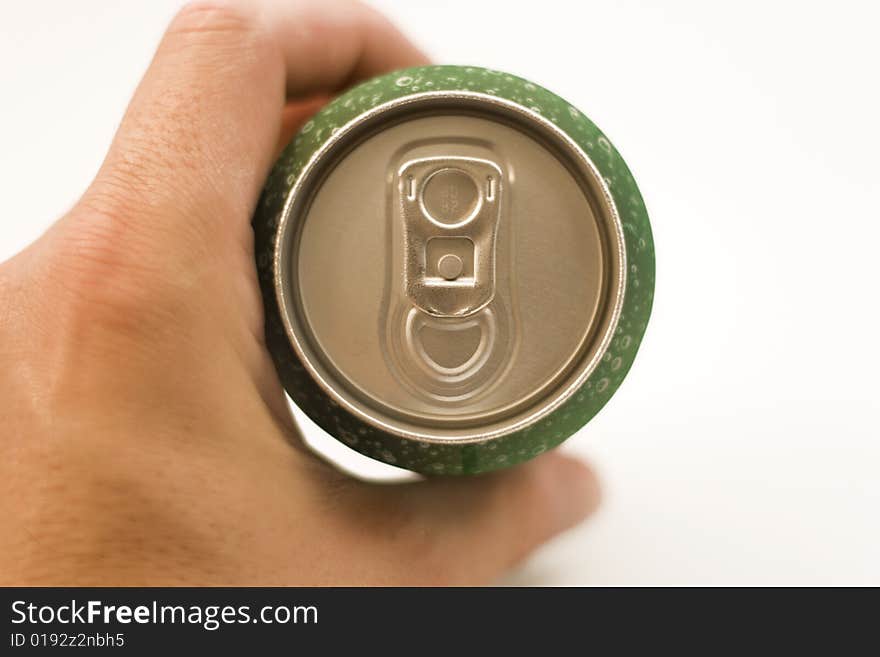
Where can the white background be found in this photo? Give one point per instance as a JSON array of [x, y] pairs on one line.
[[744, 446]]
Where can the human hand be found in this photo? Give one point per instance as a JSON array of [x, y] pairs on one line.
[[145, 438]]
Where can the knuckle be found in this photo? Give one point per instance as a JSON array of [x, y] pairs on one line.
[[436, 566], [409, 548], [425, 547], [207, 16], [220, 23], [12, 304], [111, 272]]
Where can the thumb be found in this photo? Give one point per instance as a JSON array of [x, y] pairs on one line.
[[472, 530]]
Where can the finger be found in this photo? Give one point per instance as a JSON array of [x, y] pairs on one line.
[[472, 530], [295, 114], [198, 138], [337, 44]]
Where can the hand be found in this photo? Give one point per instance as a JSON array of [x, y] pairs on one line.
[[145, 437]]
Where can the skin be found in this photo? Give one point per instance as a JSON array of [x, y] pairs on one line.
[[145, 437]]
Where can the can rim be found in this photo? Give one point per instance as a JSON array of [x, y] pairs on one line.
[[567, 388]]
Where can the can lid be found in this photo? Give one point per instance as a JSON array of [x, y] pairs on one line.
[[450, 266]]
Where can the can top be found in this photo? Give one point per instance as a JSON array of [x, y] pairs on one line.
[[450, 266]]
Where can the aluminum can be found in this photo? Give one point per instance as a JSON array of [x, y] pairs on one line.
[[457, 269]]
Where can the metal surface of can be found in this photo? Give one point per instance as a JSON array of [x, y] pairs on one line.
[[457, 269]]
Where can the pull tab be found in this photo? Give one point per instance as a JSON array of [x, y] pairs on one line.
[[449, 207]]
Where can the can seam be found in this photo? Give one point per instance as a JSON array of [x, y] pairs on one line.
[[340, 135]]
